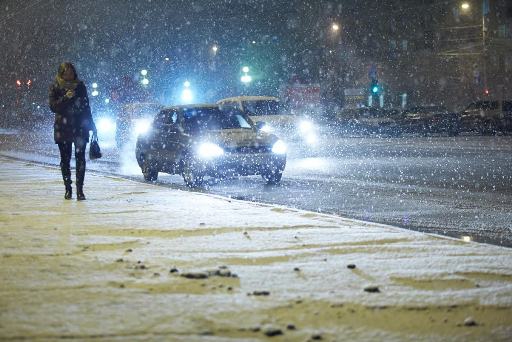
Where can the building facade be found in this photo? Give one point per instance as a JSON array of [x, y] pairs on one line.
[[420, 52]]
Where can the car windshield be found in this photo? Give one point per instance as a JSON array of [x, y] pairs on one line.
[[198, 120], [262, 107]]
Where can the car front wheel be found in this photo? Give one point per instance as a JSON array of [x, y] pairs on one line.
[[149, 171], [192, 172], [454, 130], [272, 176], [489, 127]]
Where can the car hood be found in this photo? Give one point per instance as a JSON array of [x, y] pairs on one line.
[[277, 120], [232, 138]]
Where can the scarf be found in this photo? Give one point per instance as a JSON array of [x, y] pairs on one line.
[[68, 85]]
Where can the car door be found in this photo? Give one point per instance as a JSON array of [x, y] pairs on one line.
[[169, 140]]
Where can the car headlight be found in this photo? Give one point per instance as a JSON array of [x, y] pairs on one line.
[[279, 147], [209, 150], [141, 126], [106, 126], [306, 126], [311, 139]]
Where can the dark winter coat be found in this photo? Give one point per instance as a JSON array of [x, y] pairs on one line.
[[73, 119]]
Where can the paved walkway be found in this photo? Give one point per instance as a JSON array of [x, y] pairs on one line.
[[141, 262]]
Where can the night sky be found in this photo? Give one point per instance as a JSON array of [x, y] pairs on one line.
[[108, 40], [116, 38]]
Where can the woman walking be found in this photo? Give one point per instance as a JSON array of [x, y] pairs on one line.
[[73, 121]]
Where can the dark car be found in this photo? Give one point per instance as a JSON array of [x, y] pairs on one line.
[[487, 117], [203, 140], [430, 119], [367, 120]]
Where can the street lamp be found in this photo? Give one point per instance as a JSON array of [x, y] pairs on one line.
[[466, 7], [215, 48], [335, 27], [144, 72]]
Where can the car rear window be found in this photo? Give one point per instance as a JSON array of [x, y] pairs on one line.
[[487, 105], [262, 107]]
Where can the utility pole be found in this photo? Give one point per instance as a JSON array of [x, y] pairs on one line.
[[485, 11]]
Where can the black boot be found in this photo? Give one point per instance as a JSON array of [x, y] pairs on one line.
[[80, 194], [69, 192], [66, 176], [80, 174]]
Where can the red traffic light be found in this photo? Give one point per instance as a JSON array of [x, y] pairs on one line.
[[486, 91]]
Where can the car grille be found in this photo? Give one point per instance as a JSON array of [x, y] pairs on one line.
[[249, 149]]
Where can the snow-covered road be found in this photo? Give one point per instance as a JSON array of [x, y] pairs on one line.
[[461, 187]]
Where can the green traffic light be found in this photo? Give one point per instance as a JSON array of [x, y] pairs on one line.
[[375, 89]]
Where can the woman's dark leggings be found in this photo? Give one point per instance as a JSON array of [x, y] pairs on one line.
[[65, 149]]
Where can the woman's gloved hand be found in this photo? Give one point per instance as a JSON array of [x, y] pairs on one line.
[[70, 93]]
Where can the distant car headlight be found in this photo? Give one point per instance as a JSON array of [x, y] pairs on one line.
[[106, 126], [209, 150], [141, 126], [306, 126], [279, 147]]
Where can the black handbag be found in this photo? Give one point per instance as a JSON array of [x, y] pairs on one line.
[[94, 149]]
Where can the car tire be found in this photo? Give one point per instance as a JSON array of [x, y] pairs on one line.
[[395, 132], [272, 176], [149, 171], [488, 128], [453, 133], [454, 130], [425, 130], [191, 172]]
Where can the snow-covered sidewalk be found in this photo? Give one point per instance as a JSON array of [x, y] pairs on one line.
[[141, 262]]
